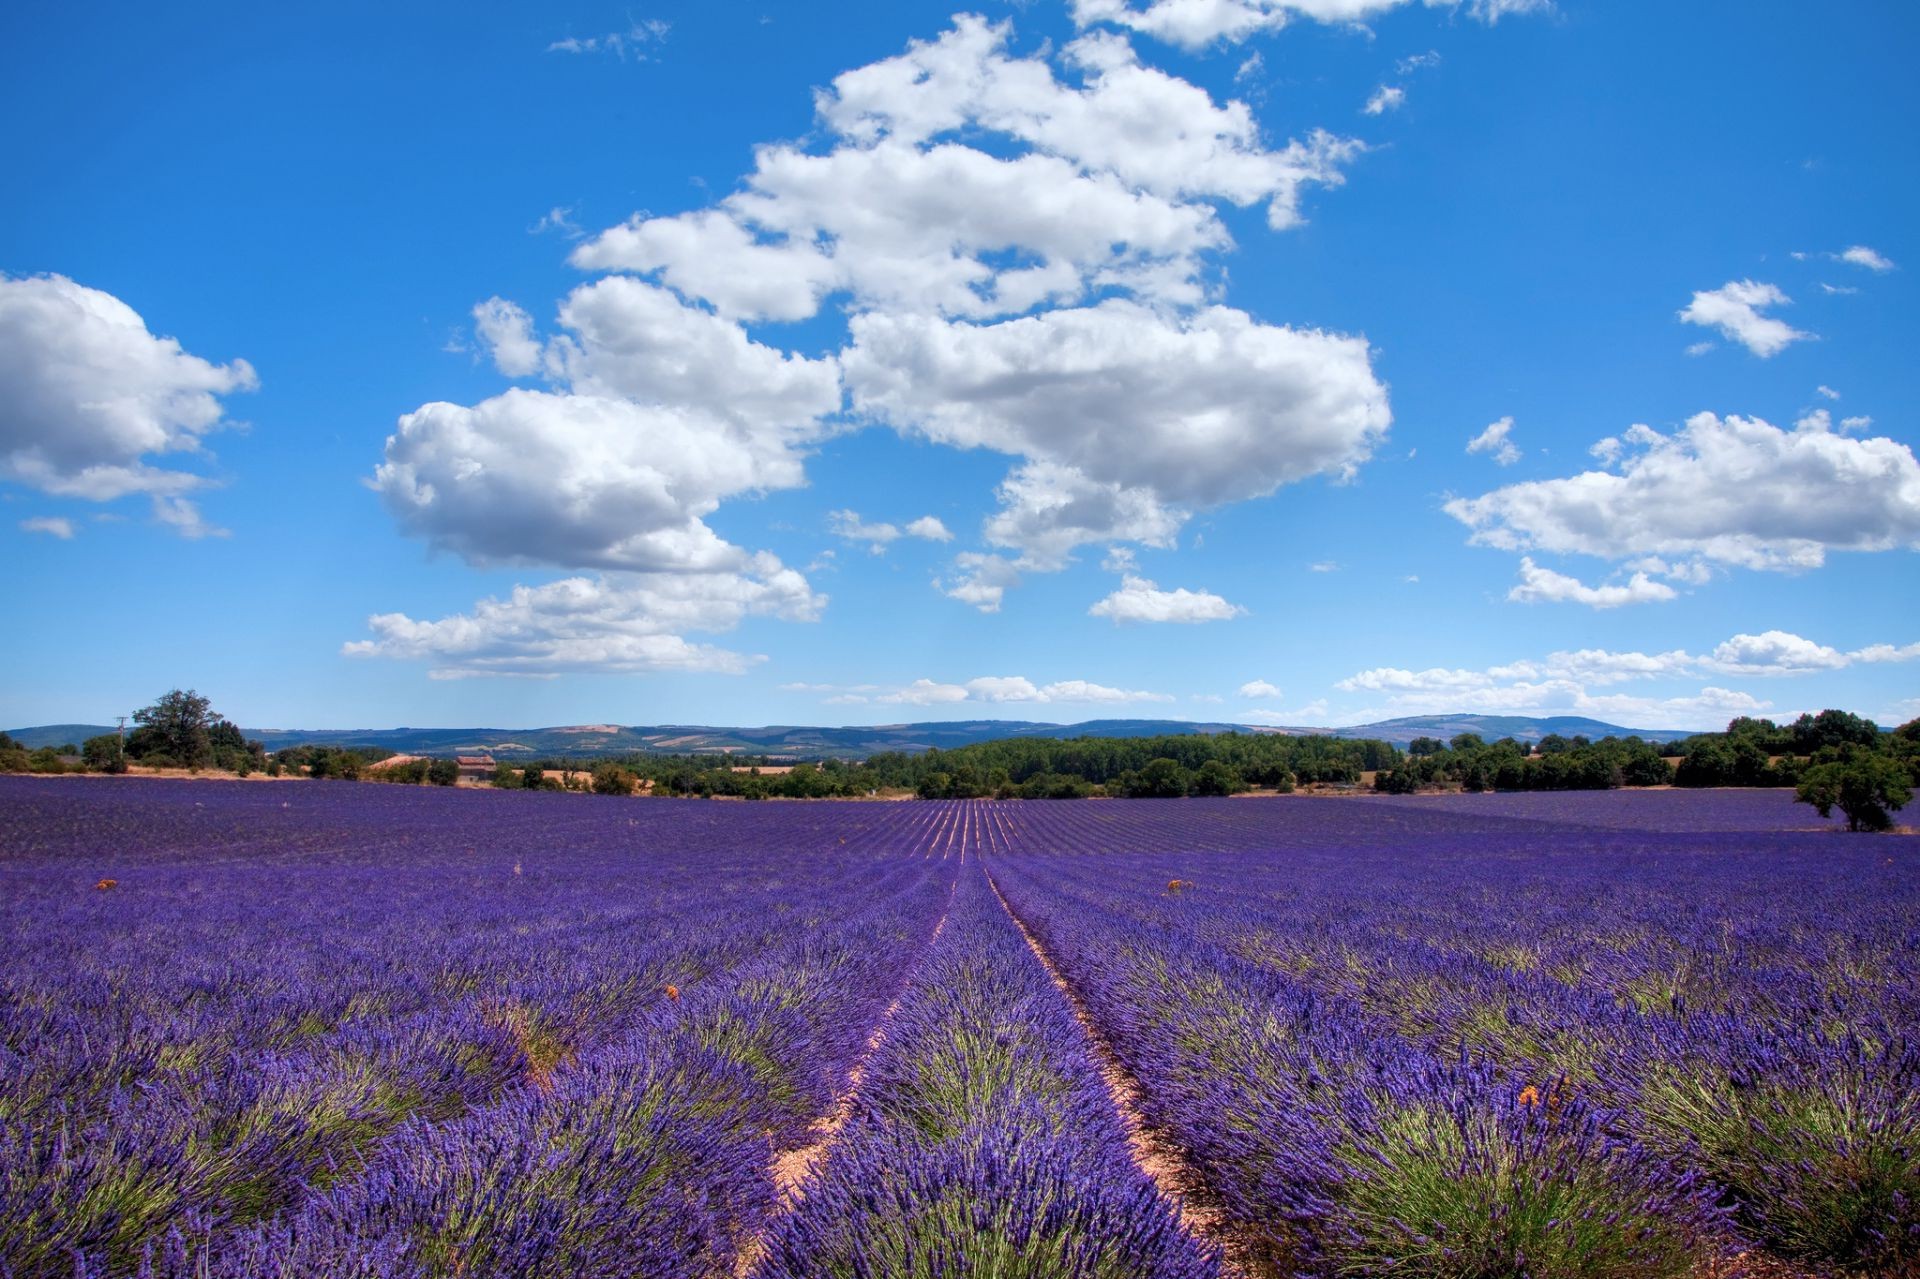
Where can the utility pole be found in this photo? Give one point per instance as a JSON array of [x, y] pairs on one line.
[[123, 729]]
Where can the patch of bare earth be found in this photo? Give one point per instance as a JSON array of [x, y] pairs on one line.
[[1155, 1153], [793, 1171]]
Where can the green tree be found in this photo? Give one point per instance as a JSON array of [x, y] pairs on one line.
[[103, 754], [443, 772], [611, 779], [1868, 787], [179, 723], [1161, 779], [1216, 778]]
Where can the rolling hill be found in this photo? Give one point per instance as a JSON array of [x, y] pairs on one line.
[[852, 742]]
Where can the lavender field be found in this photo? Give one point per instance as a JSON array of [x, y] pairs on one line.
[[323, 1029]]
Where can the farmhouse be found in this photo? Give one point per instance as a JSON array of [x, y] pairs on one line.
[[474, 767]]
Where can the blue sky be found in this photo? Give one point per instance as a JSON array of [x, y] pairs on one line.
[[789, 363]]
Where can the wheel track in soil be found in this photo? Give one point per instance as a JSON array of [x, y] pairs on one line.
[[794, 1171], [1154, 1151]]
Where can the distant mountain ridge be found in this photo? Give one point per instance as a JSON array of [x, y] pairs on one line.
[[855, 741]]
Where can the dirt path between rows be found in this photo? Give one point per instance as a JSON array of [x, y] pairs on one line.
[[1154, 1152], [794, 1170]]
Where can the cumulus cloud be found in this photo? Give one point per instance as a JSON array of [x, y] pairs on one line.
[[1563, 682], [612, 623], [507, 332], [1453, 691], [50, 526], [1195, 24], [1167, 414], [1026, 249], [1494, 440], [1014, 688], [1259, 688], [1735, 310], [667, 410], [1388, 97], [878, 537], [1104, 184], [1728, 491], [980, 580], [1861, 255], [1139, 600], [1539, 585], [1775, 653], [92, 397]]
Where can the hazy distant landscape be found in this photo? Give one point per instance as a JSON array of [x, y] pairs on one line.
[[856, 742]]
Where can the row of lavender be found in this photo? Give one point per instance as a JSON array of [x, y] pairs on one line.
[[983, 1140], [1432, 1039], [247, 1030]]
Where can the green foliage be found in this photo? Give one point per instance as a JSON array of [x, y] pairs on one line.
[[1567, 764], [611, 779], [1866, 786], [1456, 1194], [175, 726], [443, 772], [104, 754]]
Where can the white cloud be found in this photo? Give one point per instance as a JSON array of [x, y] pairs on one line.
[[614, 623], [51, 525], [1388, 97], [1441, 690], [667, 411], [1562, 682], [1861, 255], [1698, 349], [982, 580], [1211, 409], [1734, 309], [878, 537], [1107, 186], [559, 218], [1195, 24], [1014, 688], [1877, 653], [507, 332], [1323, 566], [1046, 510], [849, 525], [1025, 246], [1417, 62], [1826, 392], [1259, 688], [628, 45], [1544, 586], [659, 413], [1730, 491], [1837, 290], [91, 396], [1495, 440], [1774, 653], [182, 515], [1139, 600], [929, 528]]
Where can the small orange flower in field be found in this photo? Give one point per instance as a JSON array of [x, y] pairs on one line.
[[1529, 1096], [673, 993], [106, 884]]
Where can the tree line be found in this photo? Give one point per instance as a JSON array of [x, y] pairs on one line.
[[1833, 759]]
